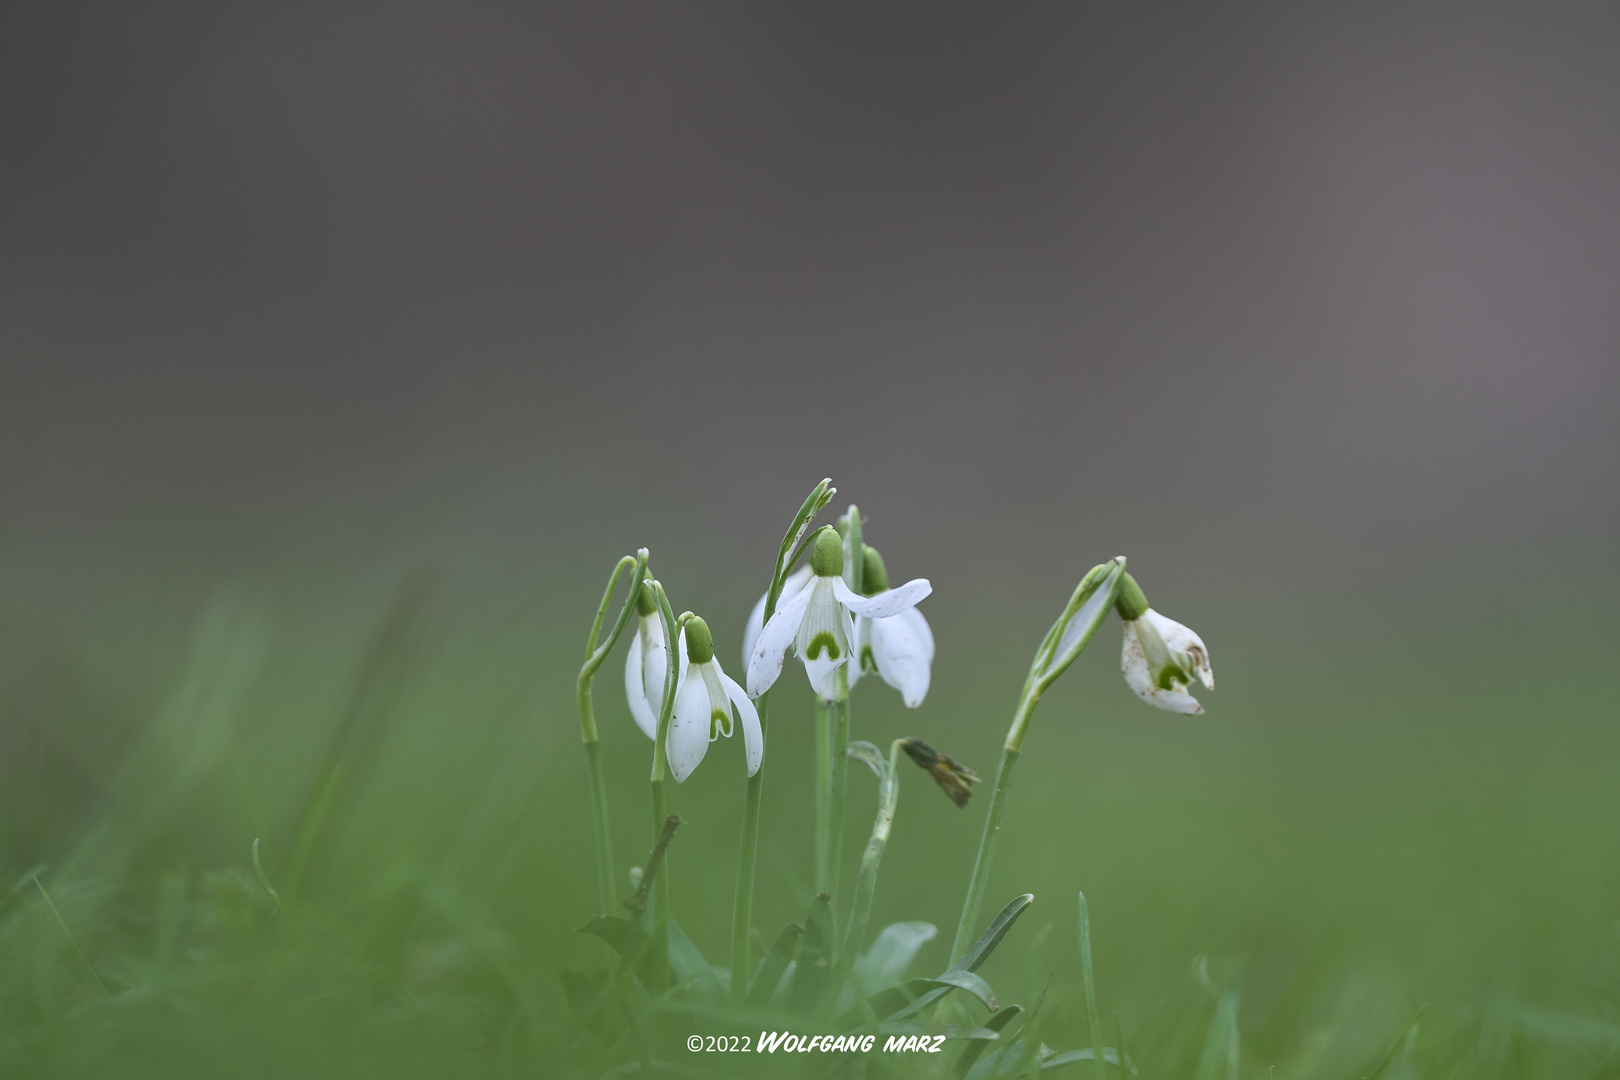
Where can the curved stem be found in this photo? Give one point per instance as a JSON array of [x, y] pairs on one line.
[[594, 657]]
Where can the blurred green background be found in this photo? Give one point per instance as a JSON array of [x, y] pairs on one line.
[[343, 351]]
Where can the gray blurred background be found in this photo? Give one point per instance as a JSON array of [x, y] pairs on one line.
[[1323, 291]]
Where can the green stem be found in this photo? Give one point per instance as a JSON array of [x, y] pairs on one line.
[[658, 964], [838, 758], [659, 914], [987, 853], [1093, 1018], [1088, 608], [823, 789], [860, 904], [606, 897], [594, 657], [742, 907]]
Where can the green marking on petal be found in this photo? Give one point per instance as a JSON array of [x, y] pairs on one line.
[[868, 661], [718, 722], [822, 642]]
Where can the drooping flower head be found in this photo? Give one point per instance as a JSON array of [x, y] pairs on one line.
[[647, 662], [791, 585], [1160, 657], [899, 648], [817, 622], [703, 708]]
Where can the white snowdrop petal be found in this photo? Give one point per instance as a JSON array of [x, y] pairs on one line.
[[821, 672], [634, 693], [1138, 676], [719, 704], [1184, 640], [688, 738], [919, 626], [791, 586], [901, 659], [885, 604], [655, 658], [753, 737], [765, 662]]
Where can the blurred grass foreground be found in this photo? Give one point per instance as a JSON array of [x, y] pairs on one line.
[[1381, 854]]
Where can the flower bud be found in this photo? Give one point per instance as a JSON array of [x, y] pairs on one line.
[[699, 642], [954, 778], [827, 556], [874, 575]]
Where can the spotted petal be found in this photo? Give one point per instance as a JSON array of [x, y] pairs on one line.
[[1186, 643], [770, 650], [688, 738], [1139, 677], [791, 585]]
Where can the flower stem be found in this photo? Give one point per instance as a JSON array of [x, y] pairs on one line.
[[860, 904], [594, 656], [987, 853], [838, 759], [1093, 1020], [742, 908], [659, 930], [823, 789], [1093, 599], [658, 964]]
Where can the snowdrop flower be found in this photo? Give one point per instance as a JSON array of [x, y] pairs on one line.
[[818, 621], [1160, 656], [791, 585], [703, 708], [900, 648], [646, 664]]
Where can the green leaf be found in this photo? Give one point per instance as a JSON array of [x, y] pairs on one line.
[[935, 989], [1003, 922], [885, 964], [996, 1023], [775, 962], [686, 963], [625, 937], [991, 1063], [973, 984], [871, 756], [1069, 1057], [815, 957], [890, 1002]]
